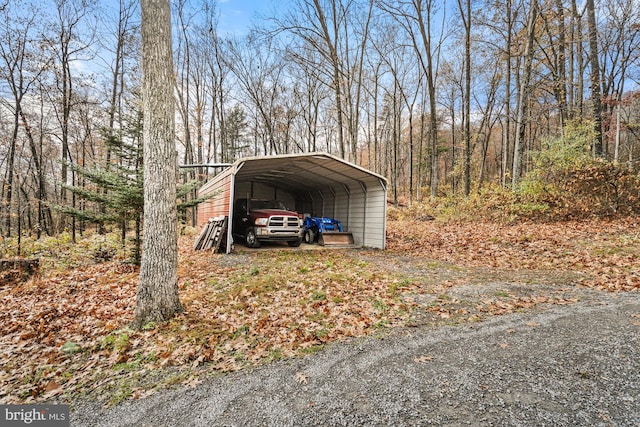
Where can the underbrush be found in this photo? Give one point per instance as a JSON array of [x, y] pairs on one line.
[[598, 190], [60, 252]]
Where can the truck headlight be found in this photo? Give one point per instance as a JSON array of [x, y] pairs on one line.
[[261, 221]]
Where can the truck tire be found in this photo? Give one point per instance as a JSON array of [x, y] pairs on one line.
[[251, 239], [309, 236], [294, 243]]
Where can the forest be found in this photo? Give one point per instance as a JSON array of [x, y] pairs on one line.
[[445, 99]]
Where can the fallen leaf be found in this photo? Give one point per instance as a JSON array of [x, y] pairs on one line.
[[52, 385], [193, 382], [301, 378], [423, 359]]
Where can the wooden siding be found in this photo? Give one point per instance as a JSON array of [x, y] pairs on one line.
[[218, 204]]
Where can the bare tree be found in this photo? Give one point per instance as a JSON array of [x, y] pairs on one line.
[[260, 73], [523, 94], [330, 49], [309, 93], [465, 14], [417, 19], [211, 49], [338, 31], [20, 71], [554, 50], [69, 39], [596, 94], [406, 84], [117, 63], [576, 63], [502, 24], [620, 58], [157, 298]]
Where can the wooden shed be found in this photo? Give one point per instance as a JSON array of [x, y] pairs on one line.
[[318, 184]]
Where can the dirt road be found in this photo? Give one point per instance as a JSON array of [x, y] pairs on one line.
[[565, 365]]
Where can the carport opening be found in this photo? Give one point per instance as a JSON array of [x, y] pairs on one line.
[[312, 184]]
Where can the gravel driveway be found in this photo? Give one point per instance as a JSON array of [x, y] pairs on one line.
[[567, 365]]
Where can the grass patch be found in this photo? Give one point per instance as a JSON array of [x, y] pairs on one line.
[[319, 295]]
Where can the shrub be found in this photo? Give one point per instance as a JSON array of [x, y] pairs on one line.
[[567, 182]]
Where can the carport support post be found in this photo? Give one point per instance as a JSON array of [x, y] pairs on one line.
[[347, 190], [322, 198], [364, 213], [384, 217], [232, 193]]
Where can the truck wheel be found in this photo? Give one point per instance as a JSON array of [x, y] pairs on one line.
[[294, 243], [309, 236], [250, 238]]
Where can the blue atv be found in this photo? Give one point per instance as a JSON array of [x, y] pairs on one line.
[[321, 230]]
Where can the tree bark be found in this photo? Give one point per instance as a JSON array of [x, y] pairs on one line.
[[595, 77], [506, 146], [157, 298], [465, 13], [578, 87], [561, 85]]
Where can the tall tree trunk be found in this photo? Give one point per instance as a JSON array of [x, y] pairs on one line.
[[37, 161], [579, 59], [506, 145], [157, 298], [523, 95], [125, 12], [429, 69], [595, 77], [8, 184], [561, 85], [454, 152], [355, 116], [466, 20]]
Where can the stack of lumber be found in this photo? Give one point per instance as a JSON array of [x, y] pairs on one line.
[[213, 236]]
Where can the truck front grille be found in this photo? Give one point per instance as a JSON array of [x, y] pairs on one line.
[[284, 221]]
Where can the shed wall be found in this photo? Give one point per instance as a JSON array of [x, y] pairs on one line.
[[376, 218], [218, 204]]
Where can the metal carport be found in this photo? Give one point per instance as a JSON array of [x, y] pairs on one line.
[[315, 183]]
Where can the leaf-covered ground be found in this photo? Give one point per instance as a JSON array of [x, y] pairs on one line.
[[64, 334]]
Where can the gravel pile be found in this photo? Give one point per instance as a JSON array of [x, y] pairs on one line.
[[568, 365]]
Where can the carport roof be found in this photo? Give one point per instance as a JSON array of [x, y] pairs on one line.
[[304, 172]]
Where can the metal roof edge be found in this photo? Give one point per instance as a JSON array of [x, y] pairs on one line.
[[222, 175], [306, 155]]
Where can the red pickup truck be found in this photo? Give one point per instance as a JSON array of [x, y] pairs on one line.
[[257, 221]]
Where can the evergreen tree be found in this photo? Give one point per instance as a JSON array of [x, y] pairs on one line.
[[115, 192]]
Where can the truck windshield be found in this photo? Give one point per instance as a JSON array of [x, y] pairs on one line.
[[268, 204]]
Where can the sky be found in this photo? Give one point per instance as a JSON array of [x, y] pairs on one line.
[[236, 16]]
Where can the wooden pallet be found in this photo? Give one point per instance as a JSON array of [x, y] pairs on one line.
[[213, 235]]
